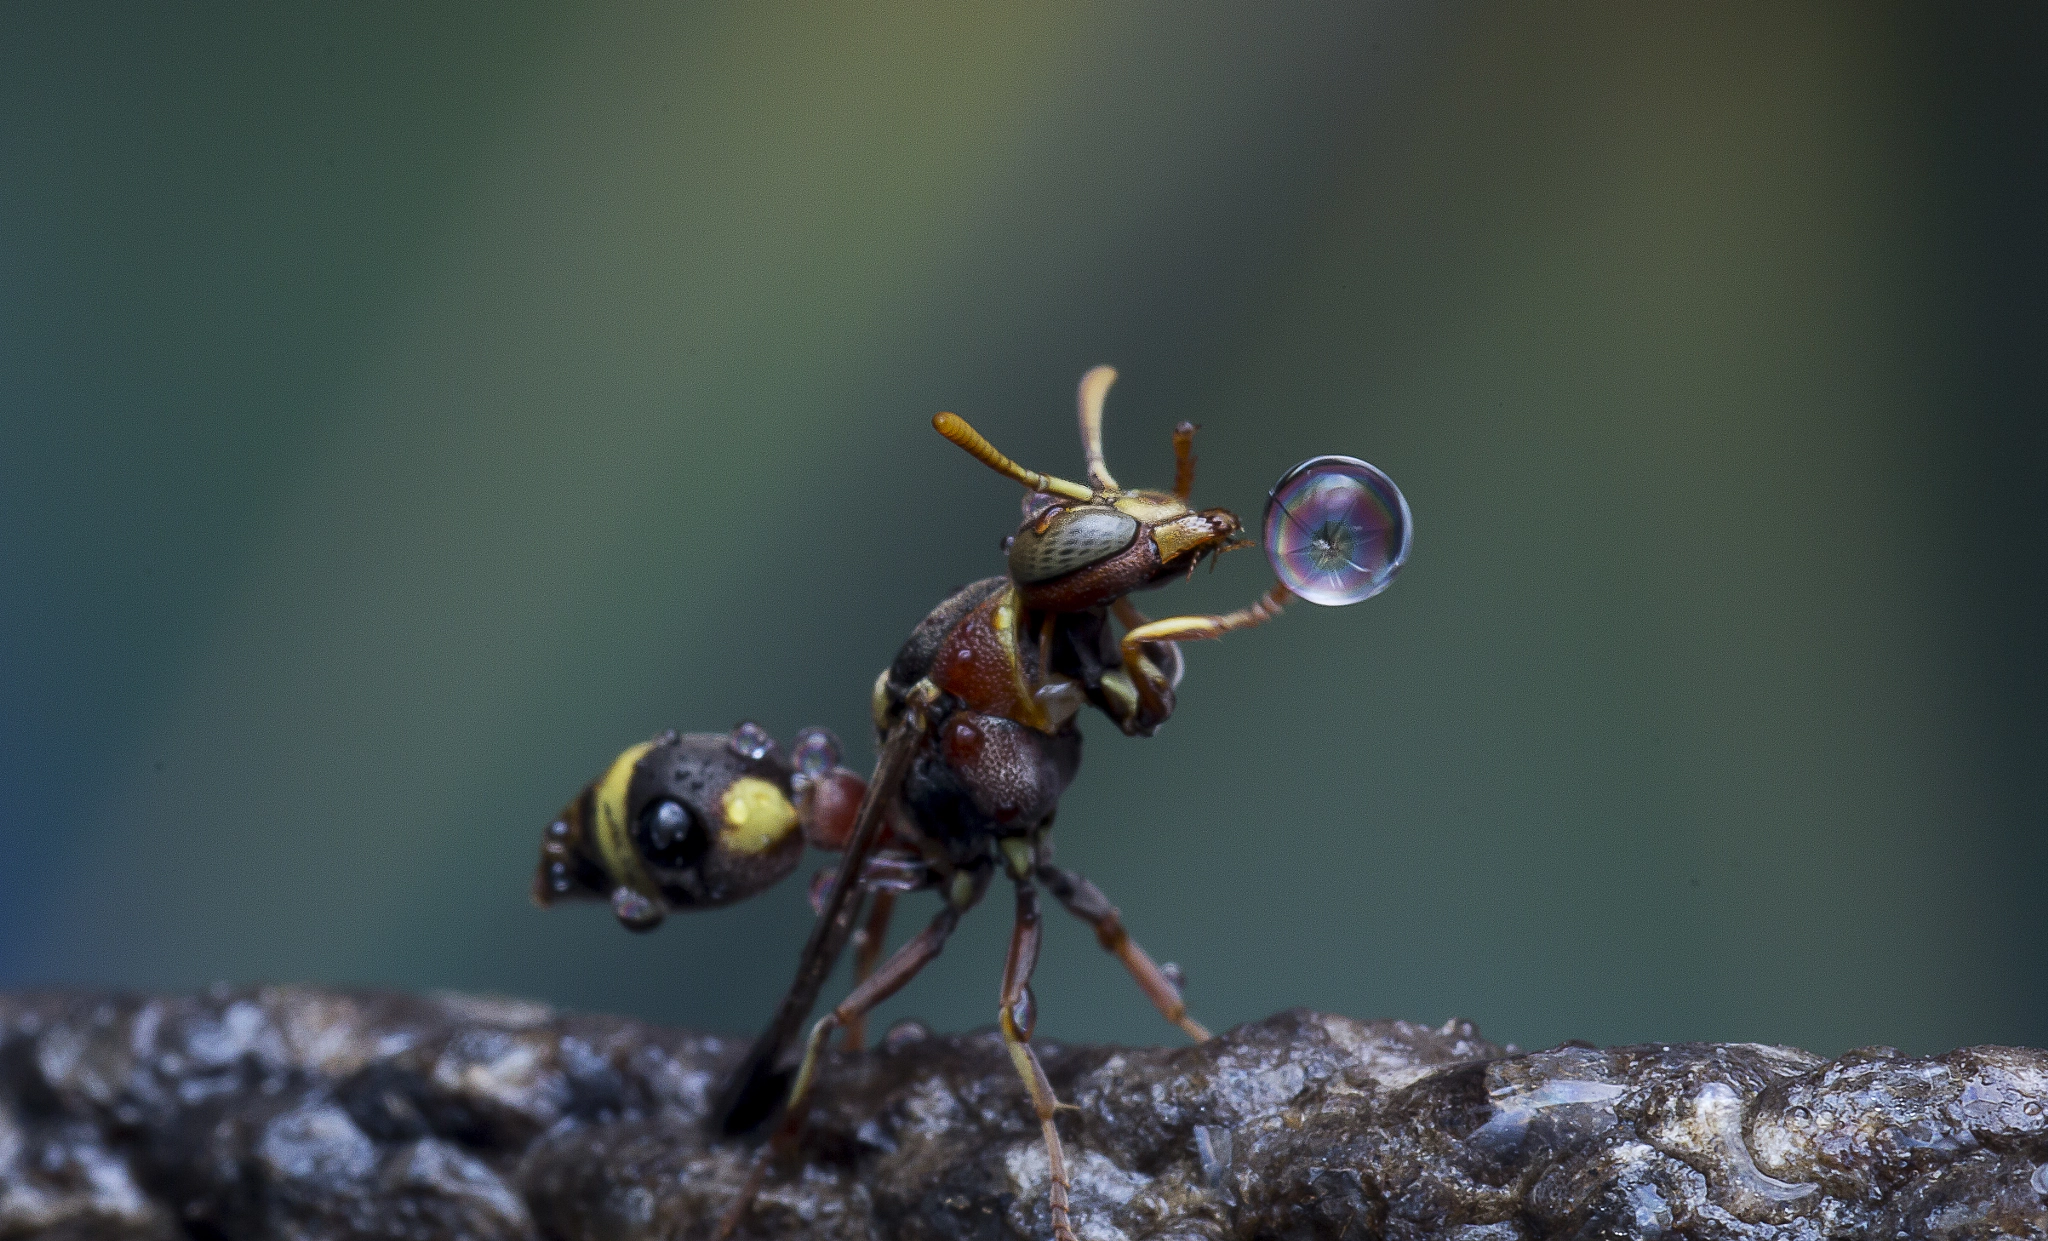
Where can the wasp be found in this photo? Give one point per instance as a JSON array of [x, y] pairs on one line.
[[976, 724]]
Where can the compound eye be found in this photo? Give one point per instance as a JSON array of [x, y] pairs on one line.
[[1074, 539], [1337, 530], [672, 836]]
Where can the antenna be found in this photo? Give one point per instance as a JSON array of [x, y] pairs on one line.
[[955, 428], [1094, 387]]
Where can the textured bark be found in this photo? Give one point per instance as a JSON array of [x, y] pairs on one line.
[[308, 1114]]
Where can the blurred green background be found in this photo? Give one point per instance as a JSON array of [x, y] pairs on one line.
[[407, 407]]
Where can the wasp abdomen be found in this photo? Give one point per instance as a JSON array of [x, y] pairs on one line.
[[685, 821]]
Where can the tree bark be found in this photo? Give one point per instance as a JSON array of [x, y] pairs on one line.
[[291, 1112]]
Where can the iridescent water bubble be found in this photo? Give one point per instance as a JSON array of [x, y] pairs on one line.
[[820, 891], [634, 911], [750, 740], [1337, 530], [814, 755]]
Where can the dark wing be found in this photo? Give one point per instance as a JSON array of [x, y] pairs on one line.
[[759, 1085]]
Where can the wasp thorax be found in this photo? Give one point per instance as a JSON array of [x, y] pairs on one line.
[[680, 822], [1060, 540]]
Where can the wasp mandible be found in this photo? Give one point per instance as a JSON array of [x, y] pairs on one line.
[[975, 720]]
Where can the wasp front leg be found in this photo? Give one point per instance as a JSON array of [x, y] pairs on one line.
[[1160, 664], [1154, 689], [913, 956], [867, 950]]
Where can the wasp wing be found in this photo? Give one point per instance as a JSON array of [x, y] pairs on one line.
[[761, 1082]]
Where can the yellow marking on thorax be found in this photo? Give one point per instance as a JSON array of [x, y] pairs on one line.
[[1003, 619], [1150, 506], [878, 701], [757, 816], [614, 843]]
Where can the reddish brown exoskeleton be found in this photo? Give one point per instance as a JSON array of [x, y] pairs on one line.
[[977, 723]]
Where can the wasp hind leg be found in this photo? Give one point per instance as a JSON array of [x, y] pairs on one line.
[[867, 950], [1085, 901], [1017, 1017], [899, 969]]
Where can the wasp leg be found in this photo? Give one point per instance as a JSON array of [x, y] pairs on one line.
[[1165, 656], [1183, 460], [867, 949], [1086, 901], [1017, 1017], [1153, 690], [883, 983]]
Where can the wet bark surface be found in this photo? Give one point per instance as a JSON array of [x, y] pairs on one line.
[[297, 1113]]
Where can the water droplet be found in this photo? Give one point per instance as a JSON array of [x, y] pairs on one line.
[[1719, 1107], [634, 911], [821, 889], [1337, 530], [1212, 1148], [906, 1033], [1174, 975], [671, 835], [665, 819], [889, 872], [816, 752], [750, 740]]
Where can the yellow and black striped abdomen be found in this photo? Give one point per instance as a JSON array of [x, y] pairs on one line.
[[685, 821]]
